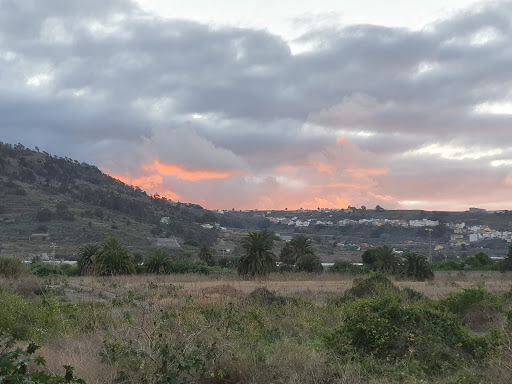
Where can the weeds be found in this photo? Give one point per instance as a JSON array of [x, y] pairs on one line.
[[191, 328]]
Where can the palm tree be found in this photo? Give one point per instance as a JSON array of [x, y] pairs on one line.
[[287, 254], [206, 254], [301, 245], [417, 267], [112, 258], [381, 259], [158, 261], [85, 262], [259, 260], [386, 260]]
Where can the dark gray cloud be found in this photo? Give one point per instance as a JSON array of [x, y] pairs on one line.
[[92, 79]]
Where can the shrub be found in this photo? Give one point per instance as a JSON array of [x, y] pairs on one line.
[[347, 267], [262, 295], [47, 269], [11, 267], [475, 307], [187, 266], [387, 328], [14, 363], [228, 262], [285, 268], [309, 263], [371, 286]]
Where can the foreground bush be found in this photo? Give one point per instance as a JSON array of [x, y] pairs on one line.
[[385, 327], [15, 362], [11, 267]]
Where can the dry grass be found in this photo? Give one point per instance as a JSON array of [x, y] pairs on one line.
[[82, 353], [296, 361], [169, 289]]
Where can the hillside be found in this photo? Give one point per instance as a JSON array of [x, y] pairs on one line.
[[46, 199]]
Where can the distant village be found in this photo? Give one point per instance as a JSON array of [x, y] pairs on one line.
[[462, 234]]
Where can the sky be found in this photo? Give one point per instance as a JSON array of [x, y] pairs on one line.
[[269, 105]]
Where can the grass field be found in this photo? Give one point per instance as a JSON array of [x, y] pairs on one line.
[[301, 328]]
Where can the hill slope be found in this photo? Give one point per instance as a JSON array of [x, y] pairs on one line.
[[75, 203]]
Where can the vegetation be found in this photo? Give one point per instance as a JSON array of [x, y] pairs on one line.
[[77, 204], [113, 258], [507, 264], [14, 363], [11, 268], [158, 262], [309, 263], [380, 259], [409, 265], [205, 254], [85, 262], [157, 331], [416, 267], [259, 260], [347, 267]]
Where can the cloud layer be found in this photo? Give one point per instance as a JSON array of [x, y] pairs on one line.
[[228, 117]]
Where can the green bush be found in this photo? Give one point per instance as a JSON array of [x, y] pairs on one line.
[[228, 262], [374, 285], [387, 328], [14, 367], [12, 268], [285, 268], [347, 267], [187, 266], [309, 263], [48, 269], [475, 307]]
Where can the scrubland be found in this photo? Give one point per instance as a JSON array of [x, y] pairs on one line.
[[289, 328]]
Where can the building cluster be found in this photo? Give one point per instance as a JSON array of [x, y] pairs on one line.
[[295, 221], [465, 235]]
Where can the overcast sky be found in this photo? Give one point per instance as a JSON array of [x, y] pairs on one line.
[[269, 105]]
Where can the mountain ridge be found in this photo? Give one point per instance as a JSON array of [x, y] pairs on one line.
[[76, 203]]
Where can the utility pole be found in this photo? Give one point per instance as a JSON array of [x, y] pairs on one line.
[[53, 245], [429, 244]]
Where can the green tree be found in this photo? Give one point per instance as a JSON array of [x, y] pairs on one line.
[[85, 263], [206, 254], [416, 266], [258, 260], [309, 263], [112, 258], [479, 260]]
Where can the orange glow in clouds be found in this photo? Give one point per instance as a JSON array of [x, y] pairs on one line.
[[186, 174], [150, 184]]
